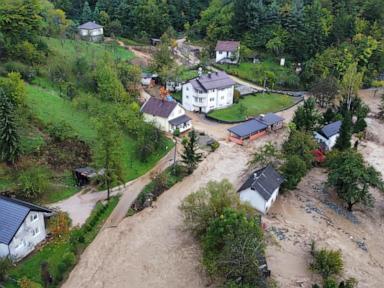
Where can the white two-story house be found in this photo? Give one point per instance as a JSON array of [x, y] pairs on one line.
[[167, 115], [227, 52], [208, 92], [328, 135], [91, 31], [22, 227]]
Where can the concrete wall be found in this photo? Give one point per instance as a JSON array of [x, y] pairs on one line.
[[94, 32], [3, 250], [29, 235], [221, 55]]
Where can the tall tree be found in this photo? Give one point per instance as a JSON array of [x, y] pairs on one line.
[[350, 85], [9, 137], [307, 118], [343, 142], [86, 14], [325, 91], [190, 156]]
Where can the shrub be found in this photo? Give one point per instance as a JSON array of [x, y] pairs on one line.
[[215, 145], [69, 259], [28, 73], [327, 263], [293, 170], [27, 53], [5, 265], [176, 133], [33, 182], [61, 131], [27, 283], [59, 224]]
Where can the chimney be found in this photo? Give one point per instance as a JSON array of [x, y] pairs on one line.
[[217, 72], [262, 116], [209, 74]]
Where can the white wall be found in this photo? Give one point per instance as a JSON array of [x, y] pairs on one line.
[[220, 55], [94, 32], [30, 233], [3, 250], [328, 142], [257, 201]]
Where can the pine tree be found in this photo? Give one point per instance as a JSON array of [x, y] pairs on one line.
[[87, 14], [191, 157], [343, 142], [9, 137]]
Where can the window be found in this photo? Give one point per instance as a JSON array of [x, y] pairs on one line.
[[222, 97], [212, 99], [200, 100], [35, 231], [186, 88], [33, 217]]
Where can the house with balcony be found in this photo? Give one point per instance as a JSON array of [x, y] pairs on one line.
[[227, 52], [91, 31], [166, 114], [22, 227], [208, 92]]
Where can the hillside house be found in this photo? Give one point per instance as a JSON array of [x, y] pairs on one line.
[[328, 135], [254, 128], [167, 115], [91, 31], [22, 227], [227, 52], [208, 92], [261, 189]]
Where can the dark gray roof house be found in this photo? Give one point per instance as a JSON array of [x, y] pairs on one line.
[[264, 181], [269, 119], [248, 128], [330, 130], [90, 26], [215, 80], [12, 215], [158, 107], [230, 46]]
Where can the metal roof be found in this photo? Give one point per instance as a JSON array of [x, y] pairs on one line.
[[248, 128], [269, 119], [230, 46], [264, 181], [90, 26], [215, 80], [158, 107], [180, 120], [331, 129], [12, 215]]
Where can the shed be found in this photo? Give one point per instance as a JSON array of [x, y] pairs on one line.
[[86, 174], [91, 31]]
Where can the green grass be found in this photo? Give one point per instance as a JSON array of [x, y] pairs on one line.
[[188, 75], [256, 104], [69, 49], [54, 251], [49, 107], [177, 95], [284, 76]]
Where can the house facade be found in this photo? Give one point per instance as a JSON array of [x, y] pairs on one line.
[[91, 31], [208, 92], [22, 227], [328, 135], [227, 52], [261, 189], [167, 115]]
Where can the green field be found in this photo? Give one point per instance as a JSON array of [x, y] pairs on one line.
[[280, 77], [48, 107], [255, 104]]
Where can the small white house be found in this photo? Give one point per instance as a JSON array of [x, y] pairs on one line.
[[167, 115], [261, 189], [227, 52], [328, 135], [91, 31], [22, 227], [208, 92]]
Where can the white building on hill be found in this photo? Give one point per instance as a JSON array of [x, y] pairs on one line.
[[227, 52], [91, 31]]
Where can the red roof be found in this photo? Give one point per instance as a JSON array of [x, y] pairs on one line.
[[230, 46]]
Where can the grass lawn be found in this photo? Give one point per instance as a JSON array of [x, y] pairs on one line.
[[188, 75], [70, 49], [54, 251], [284, 76], [255, 104]]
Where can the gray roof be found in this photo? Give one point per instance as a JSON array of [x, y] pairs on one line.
[[230, 46], [90, 26], [264, 181], [248, 128], [180, 120], [331, 129], [158, 107], [215, 80], [12, 214], [269, 119]]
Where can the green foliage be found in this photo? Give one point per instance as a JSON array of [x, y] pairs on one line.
[[14, 87], [306, 117], [5, 266], [325, 91], [343, 142], [327, 263], [352, 178], [294, 168], [33, 182], [268, 154], [61, 131], [86, 14], [190, 156]]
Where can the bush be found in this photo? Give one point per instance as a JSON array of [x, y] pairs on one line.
[[27, 53], [33, 183], [176, 133], [5, 266], [28, 73], [69, 259], [327, 263], [27, 283], [61, 131], [293, 170], [215, 145]]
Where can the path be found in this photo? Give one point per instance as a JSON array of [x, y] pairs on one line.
[[80, 205]]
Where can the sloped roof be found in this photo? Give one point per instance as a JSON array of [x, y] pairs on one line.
[[264, 181], [180, 120], [248, 128], [158, 107], [12, 215], [215, 80], [230, 46], [269, 119], [90, 26], [331, 129]]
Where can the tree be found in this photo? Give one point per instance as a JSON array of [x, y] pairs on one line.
[[343, 142], [351, 178], [108, 155], [294, 169], [86, 14], [9, 136], [268, 154], [350, 85], [361, 113], [190, 156], [243, 110], [306, 117], [325, 91], [14, 87]]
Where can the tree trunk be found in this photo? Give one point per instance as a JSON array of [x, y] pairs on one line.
[[350, 205]]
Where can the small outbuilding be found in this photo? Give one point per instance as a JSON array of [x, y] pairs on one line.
[[86, 175], [272, 120], [91, 31], [261, 189], [227, 52], [328, 135]]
